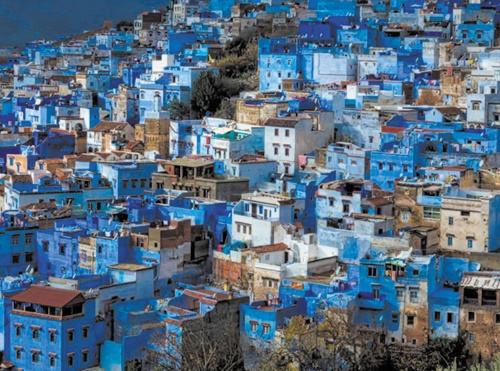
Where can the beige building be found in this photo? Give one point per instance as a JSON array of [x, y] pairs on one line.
[[109, 136], [480, 311], [470, 221], [199, 177], [257, 111]]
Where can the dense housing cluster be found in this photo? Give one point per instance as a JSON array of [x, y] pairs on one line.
[[242, 177]]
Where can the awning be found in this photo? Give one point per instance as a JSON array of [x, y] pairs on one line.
[[397, 262], [114, 210]]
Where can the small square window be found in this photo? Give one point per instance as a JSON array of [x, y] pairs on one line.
[[410, 320], [85, 332], [265, 328], [470, 243], [449, 317], [70, 360], [395, 317], [372, 272], [471, 317], [16, 258], [400, 294], [437, 316], [450, 220], [416, 272]]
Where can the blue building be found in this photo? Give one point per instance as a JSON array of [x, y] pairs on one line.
[[54, 329]]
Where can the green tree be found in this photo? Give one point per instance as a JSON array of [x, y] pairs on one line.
[[226, 110], [207, 94], [335, 344], [179, 110]]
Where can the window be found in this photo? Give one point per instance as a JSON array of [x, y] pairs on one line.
[[276, 132], [85, 332], [450, 220], [391, 166], [18, 331], [497, 318], [36, 334], [470, 243], [70, 360], [414, 342], [254, 326], [395, 317], [437, 316], [372, 272], [85, 357], [410, 320], [52, 337], [376, 293], [476, 106], [346, 208], [265, 328], [52, 361], [28, 257], [71, 335], [405, 167], [465, 213], [14, 239], [28, 238], [400, 294], [62, 249], [287, 151], [449, 317], [16, 258], [380, 165], [124, 184], [416, 272], [287, 133], [432, 212], [405, 216], [414, 296], [471, 317], [331, 201], [45, 246], [471, 337], [450, 241], [276, 151], [35, 357], [19, 354]]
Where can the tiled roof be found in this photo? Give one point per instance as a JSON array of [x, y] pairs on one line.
[[269, 248], [286, 122], [50, 296], [104, 126], [450, 111], [392, 129]]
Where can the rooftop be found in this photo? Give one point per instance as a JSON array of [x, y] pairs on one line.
[[49, 296]]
